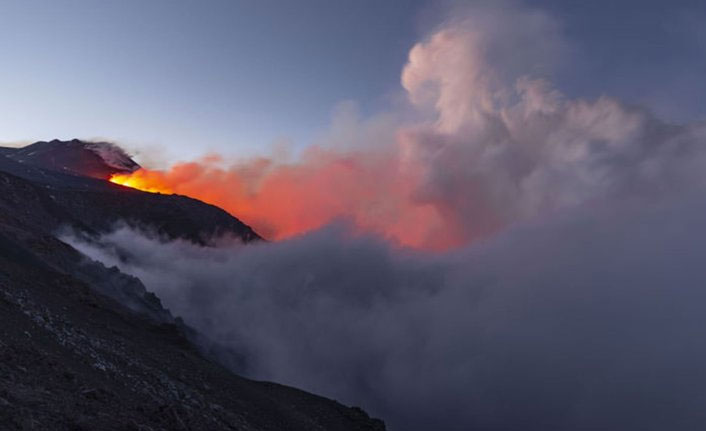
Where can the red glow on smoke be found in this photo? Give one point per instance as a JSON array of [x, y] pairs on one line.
[[280, 200]]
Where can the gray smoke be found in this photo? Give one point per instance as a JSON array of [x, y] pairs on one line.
[[580, 305], [588, 320]]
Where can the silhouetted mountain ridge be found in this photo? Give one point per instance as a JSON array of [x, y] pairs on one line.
[[82, 200]]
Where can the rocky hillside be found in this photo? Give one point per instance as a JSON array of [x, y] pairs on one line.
[[84, 347]]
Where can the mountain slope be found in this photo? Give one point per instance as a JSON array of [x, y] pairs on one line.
[[72, 357]]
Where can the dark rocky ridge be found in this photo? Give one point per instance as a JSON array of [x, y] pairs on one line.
[[74, 358], [87, 159], [76, 198]]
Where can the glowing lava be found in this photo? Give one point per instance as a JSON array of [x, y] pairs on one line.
[[142, 179]]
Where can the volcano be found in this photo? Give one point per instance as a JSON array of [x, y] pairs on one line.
[[85, 347]]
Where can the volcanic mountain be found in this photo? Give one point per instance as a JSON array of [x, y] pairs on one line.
[[85, 347]]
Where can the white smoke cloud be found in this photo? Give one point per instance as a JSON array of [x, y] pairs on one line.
[[503, 145], [463, 69], [581, 308]]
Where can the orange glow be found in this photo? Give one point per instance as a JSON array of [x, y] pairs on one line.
[[279, 201], [142, 179]]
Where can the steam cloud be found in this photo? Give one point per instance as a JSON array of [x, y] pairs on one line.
[[574, 300]]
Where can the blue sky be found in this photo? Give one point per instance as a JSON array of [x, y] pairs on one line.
[[235, 76]]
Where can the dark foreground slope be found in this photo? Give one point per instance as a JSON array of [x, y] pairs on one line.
[[74, 358]]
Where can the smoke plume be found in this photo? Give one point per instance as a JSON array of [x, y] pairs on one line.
[[490, 144], [572, 296]]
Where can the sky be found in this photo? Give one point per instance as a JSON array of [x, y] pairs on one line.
[[186, 78]]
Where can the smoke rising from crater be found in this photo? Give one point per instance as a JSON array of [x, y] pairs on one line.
[[572, 298]]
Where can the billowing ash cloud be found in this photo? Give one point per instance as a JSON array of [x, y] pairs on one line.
[[497, 153], [588, 321], [574, 300], [490, 144]]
